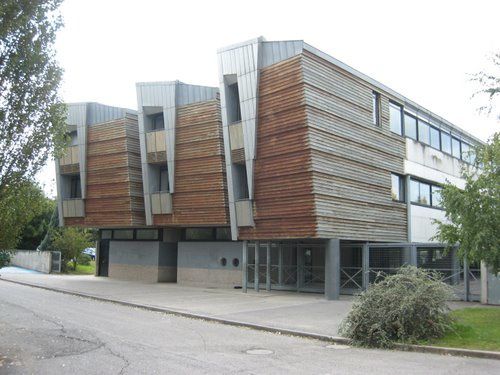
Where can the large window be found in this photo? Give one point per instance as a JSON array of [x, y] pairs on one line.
[[396, 118], [425, 194], [163, 181], [467, 154], [423, 132], [157, 122], [397, 187], [434, 138], [410, 126], [436, 196], [446, 142], [455, 147], [75, 187], [376, 108], [206, 234]]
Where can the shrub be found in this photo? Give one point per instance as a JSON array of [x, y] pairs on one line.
[[406, 307], [70, 242], [4, 258], [84, 259]]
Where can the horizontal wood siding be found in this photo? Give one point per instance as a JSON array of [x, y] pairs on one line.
[[200, 197], [114, 177], [284, 202], [351, 158]]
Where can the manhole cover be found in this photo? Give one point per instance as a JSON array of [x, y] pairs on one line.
[[259, 351], [338, 346]]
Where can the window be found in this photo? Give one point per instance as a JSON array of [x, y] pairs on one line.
[[222, 234], [146, 234], [75, 187], [410, 126], [434, 138], [74, 138], [420, 192], [397, 188], [466, 152], [157, 122], [123, 234], [396, 118], [446, 143], [240, 181], [199, 234], [455, 147], [163, 181], [376, 108], [423, 132], [436, 196], [233, 102], [106, 234]]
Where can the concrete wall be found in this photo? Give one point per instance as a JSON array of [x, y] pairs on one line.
[[490, 286], [147, 261], [199, 264], [33, 260]]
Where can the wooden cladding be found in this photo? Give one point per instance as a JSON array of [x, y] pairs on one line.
[[323, 169], [73, 208], [284, 201], [70, 157], [69, 169], [200, 196], [114, 177]]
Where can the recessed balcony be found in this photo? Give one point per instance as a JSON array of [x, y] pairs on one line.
[[156, 146], [73, 207], [69, 163]]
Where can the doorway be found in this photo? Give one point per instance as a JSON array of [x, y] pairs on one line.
[[103, 258]]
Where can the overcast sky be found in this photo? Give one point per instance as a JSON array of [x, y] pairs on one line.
[[423, 49]]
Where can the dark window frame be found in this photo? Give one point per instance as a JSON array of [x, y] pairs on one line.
[[416, 125], [376, 119], [431, 185], [401, 113], [213, 237], [134, 235], [402, 188]]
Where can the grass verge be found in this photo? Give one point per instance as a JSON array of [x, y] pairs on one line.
[[474, 328], [82, 269]]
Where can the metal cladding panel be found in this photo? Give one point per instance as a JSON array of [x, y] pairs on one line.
[[59, 195], [273, 52], [77, 114]]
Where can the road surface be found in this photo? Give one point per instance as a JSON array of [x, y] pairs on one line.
[[44, 332]]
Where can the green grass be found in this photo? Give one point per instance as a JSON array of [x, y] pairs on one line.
[[81, 269], [474, 328]]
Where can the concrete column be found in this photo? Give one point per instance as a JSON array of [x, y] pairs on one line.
[[365, 263], [484, 283], [332, 269], [413, 255], [257, 265], [268, 266], [408, 207], [299, 267], [280, 264], [244, 265]]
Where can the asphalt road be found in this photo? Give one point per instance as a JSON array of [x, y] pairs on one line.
[[43, 332]]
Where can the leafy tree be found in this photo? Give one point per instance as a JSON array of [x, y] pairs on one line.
[[70, 242], [489, 83], [32, 118], [46, 244], [18, 206], [36, 229], [473, 213]]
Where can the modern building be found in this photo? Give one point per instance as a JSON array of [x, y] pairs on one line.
[[297, 171]]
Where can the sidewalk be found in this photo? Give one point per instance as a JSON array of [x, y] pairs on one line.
[[280, 310]]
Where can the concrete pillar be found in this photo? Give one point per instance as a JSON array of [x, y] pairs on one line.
[[455, 265], [280, 264], [365, 264], [268, 266], [408, 207], [257, 265], [332, 269], [484, 283], [244, 265], [413, 255], [299, 267]]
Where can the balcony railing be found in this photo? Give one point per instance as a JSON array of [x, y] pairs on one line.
[[244, 213], [161, 203], [70, 157], [73, 207]]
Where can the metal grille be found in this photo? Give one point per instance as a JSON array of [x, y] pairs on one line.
[[56, 262]]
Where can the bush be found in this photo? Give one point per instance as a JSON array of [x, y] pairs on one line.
[[406, 307], [84, 259], [4, 258]]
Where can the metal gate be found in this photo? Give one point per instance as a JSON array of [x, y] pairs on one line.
[[55, 265]]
